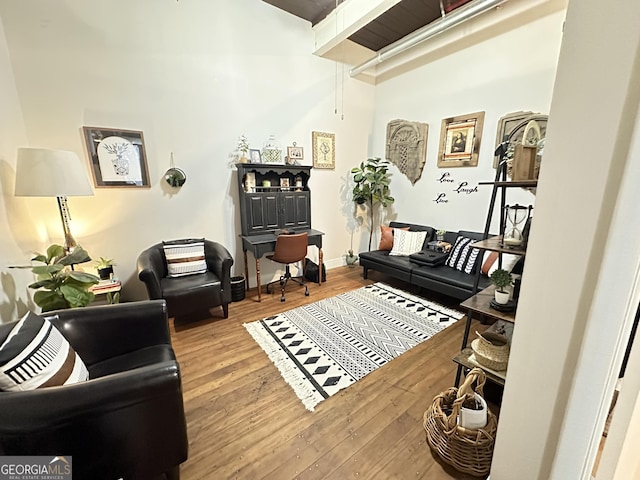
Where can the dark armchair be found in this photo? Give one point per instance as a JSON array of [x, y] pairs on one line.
[[192, 292], [127, 421]]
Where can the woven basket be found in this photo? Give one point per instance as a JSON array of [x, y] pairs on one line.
[[467, 450], [491, 350]]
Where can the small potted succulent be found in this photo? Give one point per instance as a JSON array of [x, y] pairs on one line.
[[105, 268], [440, 235], [501, 278]]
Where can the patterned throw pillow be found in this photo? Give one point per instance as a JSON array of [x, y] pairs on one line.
[[386, 237], [34, 354], [462, 257], [405, 243], [185, 257]]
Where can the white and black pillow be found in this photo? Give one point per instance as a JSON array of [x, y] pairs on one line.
[[462, 256], [34, 354], [405, 243], [185, 257]]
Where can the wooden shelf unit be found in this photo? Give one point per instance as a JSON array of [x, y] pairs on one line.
[[478, 303]]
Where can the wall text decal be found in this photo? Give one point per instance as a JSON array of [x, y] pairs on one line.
[[441, 198]]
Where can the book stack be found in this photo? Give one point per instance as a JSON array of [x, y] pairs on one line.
[[106, 286]]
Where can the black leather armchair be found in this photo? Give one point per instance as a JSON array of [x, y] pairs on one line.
[[127, 421], [192, 292]]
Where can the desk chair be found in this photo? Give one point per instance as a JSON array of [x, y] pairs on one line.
[[290, 248]]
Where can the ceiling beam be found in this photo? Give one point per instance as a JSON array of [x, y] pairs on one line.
[[345, 20]]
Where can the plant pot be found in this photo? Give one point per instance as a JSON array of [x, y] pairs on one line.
[[105, 273], [351, 260], [502, 297], [474, 419]]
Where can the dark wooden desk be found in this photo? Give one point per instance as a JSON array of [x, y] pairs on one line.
[[266, 242]]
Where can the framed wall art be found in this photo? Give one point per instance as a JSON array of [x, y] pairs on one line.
[[117, 157], [294, 155], [460, 140], [324, 150]]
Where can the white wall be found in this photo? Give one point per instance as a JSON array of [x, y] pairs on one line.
[[493, 76], [14, 298], [192, 76]]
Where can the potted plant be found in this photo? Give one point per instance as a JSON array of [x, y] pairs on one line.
[[372, 187], [243, 148], [105, 268], [351, 259], [440, 235], [501, 278], [59, 286]]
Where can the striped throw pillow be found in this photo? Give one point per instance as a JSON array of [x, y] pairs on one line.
[[34, 354], [185, 257], [462, 257]]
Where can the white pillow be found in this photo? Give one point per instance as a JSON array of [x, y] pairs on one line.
[[405, 243], [185, 257], [490, 262]]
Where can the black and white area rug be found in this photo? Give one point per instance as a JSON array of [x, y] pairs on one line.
[[328, 345]]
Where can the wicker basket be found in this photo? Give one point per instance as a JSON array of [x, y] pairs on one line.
[[467, 450], [491, 350]]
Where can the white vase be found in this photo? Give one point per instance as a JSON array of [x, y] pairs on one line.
[[502, 297]]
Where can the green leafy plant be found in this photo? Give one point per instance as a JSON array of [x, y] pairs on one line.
[[501, 278], [104, 263], [58, 285], [372, 187], [243, 144], [440, 232]]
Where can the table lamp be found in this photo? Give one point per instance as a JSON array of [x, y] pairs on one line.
[[42, 172]]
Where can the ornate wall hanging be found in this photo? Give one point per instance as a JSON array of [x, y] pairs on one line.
[[407, 147], [521, 128]]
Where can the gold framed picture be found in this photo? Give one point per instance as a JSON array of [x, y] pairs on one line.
[[324, 150], [460, 140]]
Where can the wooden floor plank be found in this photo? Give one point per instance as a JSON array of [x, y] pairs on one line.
[[245, 422]]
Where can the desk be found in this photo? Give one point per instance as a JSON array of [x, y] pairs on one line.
[[266, 242]]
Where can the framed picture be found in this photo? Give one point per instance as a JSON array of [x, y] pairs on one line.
[[294, 155], [324, 150], [117, 157], [255, 156], [284, 183], [460, 140]]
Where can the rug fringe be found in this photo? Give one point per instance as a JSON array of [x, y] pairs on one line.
[[292, 375]]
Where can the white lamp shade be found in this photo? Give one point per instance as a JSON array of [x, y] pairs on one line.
[[41, 172]]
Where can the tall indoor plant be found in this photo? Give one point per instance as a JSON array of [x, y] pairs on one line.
[[372, 187]]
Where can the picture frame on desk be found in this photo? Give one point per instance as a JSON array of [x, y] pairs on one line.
[[284, 183], [255, 155], [250, 182]]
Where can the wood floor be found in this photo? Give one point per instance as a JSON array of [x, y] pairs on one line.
[[245, 422]]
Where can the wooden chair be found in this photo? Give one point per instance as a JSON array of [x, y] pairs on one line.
[[290, 248]]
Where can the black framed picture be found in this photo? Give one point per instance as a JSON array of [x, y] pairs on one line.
[[117, 157]]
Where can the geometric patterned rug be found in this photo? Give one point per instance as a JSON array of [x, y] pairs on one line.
[[325, 346]]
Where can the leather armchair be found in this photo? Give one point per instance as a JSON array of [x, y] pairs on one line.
[[127, 421], [192, 292]]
